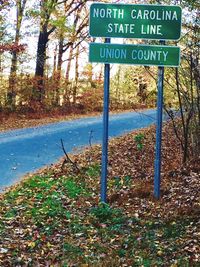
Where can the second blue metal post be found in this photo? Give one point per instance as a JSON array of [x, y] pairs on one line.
[[104, 160], [159, 133]]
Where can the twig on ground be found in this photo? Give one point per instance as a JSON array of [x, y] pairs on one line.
[[68, 160], [89, 158]]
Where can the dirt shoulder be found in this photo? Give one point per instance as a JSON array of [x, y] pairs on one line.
[[17, 121]]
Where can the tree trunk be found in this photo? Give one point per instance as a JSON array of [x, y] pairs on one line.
[[39, 90], [54, 60], [66, 96], [76, 76], [13, 70], [1, 65], [69, 63], [195, 74], [58, 71], [117, 92]]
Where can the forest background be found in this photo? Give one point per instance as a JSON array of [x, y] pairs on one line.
[[44, 68]]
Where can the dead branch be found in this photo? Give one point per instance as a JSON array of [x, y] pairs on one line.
[[68, 160]]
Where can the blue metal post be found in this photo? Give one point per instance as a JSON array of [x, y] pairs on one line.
[[159, 133], [104, 160]]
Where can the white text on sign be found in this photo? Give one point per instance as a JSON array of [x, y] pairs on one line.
[[135, 15]]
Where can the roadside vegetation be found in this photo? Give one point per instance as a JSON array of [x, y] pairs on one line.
[[54, 217]]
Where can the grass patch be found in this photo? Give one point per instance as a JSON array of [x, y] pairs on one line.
[[73, 190], [71, 250], [93, 170]]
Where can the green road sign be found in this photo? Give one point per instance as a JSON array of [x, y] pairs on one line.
[[135, 21], [148, 55]]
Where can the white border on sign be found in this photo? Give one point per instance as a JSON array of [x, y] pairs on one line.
[[143, 38], [159, 46]]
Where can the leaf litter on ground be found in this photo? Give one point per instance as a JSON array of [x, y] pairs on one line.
[[54, 218]]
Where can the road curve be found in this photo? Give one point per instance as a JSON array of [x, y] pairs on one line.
[[26, 150]]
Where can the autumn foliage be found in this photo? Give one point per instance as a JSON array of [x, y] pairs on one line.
[[19, 48]]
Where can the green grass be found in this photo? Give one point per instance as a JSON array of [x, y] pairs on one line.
[[93, 170], [73, 190], [55, 214], [71, 250]]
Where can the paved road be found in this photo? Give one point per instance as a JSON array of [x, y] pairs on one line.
[[26, 150]]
